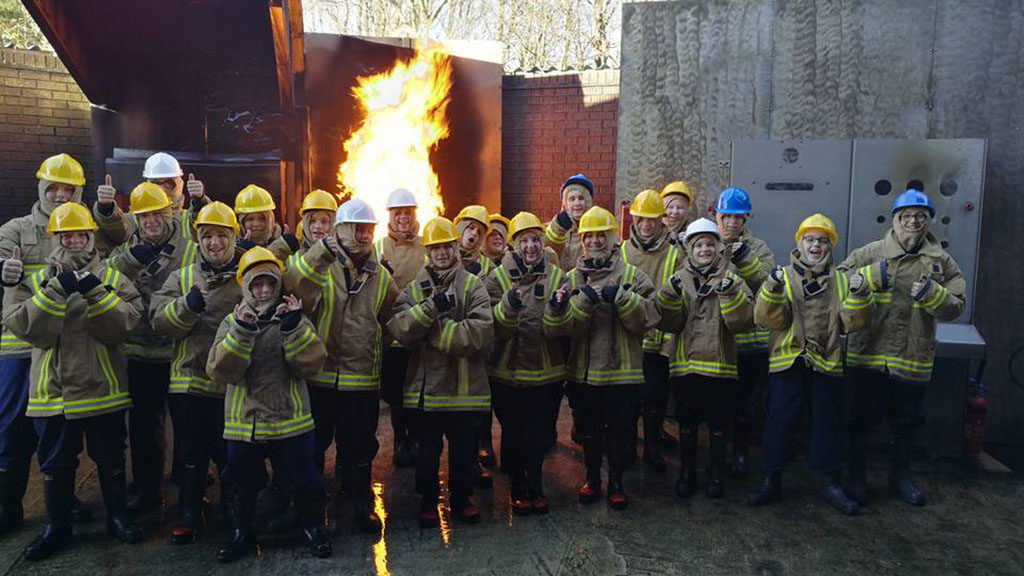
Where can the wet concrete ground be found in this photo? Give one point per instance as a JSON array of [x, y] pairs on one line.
[[972, 525]]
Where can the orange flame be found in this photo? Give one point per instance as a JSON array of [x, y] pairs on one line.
[[404, 117]]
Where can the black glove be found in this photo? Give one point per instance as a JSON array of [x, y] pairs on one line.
[[590, 293], [196, 202], [556, 304], [443, 302], [778, 275], [105, 209], [677, 284], [328, 247], [246, 244], [144, 252], [513, 300], [292, 241], [608, 292], [564, 220], [195, 301], [87, 283], [473, 268], [741, 253], [68, 282], [290, 320]]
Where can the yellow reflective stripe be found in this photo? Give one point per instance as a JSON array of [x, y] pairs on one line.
[[108, 370], [503, 279], [499, 315], [555, 321], [883, 360], [771, 297], [674, 304], [104, 305], [554, 237], [938, 298], [42, 392], [309, 273], [733, 303], [48, 305], [447, 334], [577, 313], [105, 403], [231, 344], [293, 392], [521, 375], [632, 304], [420, 316], [749, 268], [378, 248], [383, 281], [173, 317], [307, 338]]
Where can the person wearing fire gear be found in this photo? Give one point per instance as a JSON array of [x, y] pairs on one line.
[[752, 260], [255, 209], [351, 296], [652, 248], [188, 309], [527, 368], [680, 209], [605, 306], [76, 314], [444, 318], [807, 306], [916, 284], [496, 242], [403, 254], [156, 249], [264, 352], [317, 219], [705, 304], [24, 249]]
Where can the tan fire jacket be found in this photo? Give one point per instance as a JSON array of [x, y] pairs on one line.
[[527, 353], [265, 372], [404, 260], [568, 244], [193, 334], [606, 339], [351, 307], [447, 369], [29, 233], [753, 264], [78, 366], [658, 264], [901, 338], [706, 322], [809, 324], [144, 343]]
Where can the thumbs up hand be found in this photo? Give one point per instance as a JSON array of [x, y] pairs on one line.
[[195, 187], [12, 268], [106, 192]]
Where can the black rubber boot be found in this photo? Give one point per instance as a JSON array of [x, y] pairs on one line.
[[652, 453], [119, 525], [12, 491], [58, 493], [363, 510], [740, 468], [768, 491], [404, 455], [486, 448], [519, 499], [190, 499], [286, 513], [832, 492], [227, 502], [856, 484], [482, 479], [80, 511], [312, 518], [144, 499], [591, 489], [686, 484], [899, 477], [243, 540], [716, 469]]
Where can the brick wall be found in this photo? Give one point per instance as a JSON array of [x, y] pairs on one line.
[[42, 113], [555, 125]]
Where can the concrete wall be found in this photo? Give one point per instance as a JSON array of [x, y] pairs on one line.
[[42, 113], [553, 126], [697, 74]]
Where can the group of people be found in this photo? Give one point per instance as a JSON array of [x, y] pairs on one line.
[[265, 344]]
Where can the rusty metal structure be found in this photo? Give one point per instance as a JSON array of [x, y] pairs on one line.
[[240, 94]]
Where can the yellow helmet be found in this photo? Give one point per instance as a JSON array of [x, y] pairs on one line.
[[597, 219], [216, 214], [147, 197], [298, 231], [524, 221], [253, 256], [647, 204], [499, 219], [70, 217], [474, 212], [252, 198], [678, 187], [818, 222], [319, 200], [439, 231], [62, 168]]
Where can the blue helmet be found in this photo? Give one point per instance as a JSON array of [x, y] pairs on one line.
[[733, 200], [578, 179], [912, 198]]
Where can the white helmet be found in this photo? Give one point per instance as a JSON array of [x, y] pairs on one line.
[[161, 165], [401, 198], [702, 226], [355, 211]]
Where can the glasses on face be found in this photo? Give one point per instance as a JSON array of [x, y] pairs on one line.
[[915, 217]]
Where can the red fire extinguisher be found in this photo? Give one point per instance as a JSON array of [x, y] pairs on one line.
[[975, 407], [625, 221]]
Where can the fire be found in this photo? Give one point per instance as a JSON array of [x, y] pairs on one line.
[[404, 117]]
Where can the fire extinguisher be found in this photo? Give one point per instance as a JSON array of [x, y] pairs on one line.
[[625, 221], [975, 407]]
